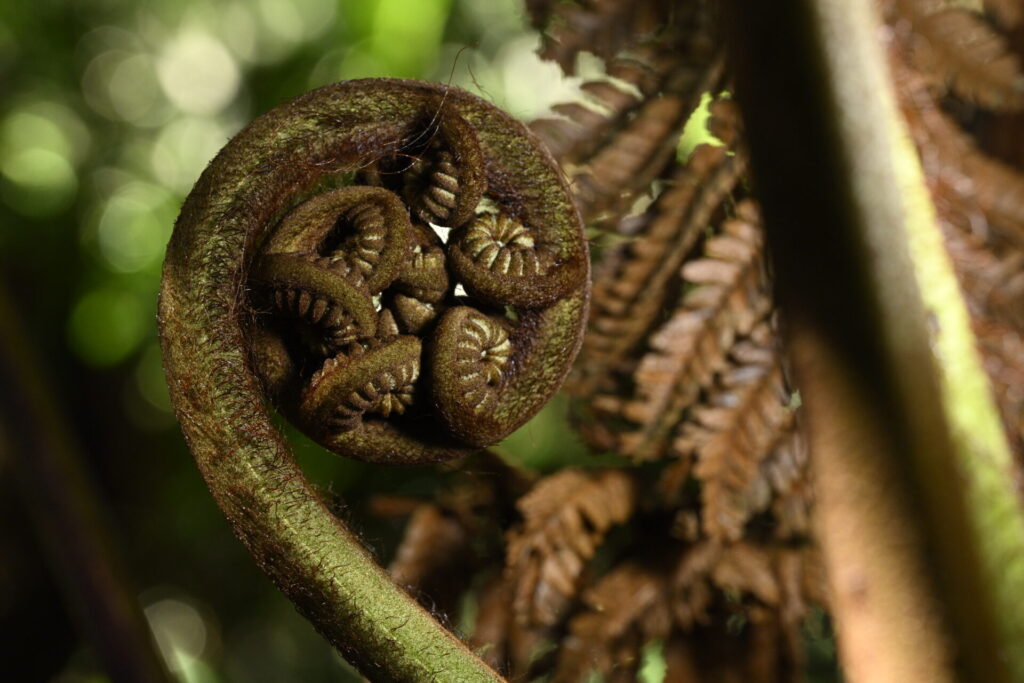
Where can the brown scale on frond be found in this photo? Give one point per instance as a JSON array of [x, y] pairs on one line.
[[565, 519]]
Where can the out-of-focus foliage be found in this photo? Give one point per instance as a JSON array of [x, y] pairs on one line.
[[111, 110]]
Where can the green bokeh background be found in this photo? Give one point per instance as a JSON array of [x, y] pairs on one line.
[[110, 111]]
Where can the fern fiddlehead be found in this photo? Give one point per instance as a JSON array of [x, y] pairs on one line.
[[306, 270]]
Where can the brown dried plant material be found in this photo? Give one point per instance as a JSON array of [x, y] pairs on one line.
[[751, 576], [734, 610], [719, 654], [459, 533], [733, 433], [994, 288], [993, 281], [613, 144], [633, 283], [631, 78], [957, 47], [583, 127], [623, 134], [431, 559], [626, 165], [517, 650], [788, 473], [1009, 13], [493, 622], [565, 518], [627, 608], [953, 164], [728, 298], [606, 27]]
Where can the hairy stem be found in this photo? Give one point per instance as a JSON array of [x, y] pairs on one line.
[[461, 149]]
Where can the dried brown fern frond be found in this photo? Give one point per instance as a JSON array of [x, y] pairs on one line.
[[993, 282], [788, 473], [493, 623], [726, 297], [725, 653], [953, 164], [623, 134], [431, 557], [511, 647], [608, 182], [744, 599], [635, 280], [958, 48], [565, 519], [621, 137], [714, 582], [627, 608], [448, 539], [582, 126], [606, 27], [734, 432]]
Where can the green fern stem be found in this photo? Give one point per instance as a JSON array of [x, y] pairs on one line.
[[212, 346]]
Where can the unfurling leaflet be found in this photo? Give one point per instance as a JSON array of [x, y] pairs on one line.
[[415, 279]]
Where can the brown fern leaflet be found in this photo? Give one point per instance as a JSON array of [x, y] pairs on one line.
[[704, 544]]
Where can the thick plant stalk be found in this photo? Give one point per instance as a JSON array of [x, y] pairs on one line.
[[65, 507], [219, 367], [921, 529]]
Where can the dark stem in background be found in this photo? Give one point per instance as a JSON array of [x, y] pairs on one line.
[[67, 512], [918, 570]]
